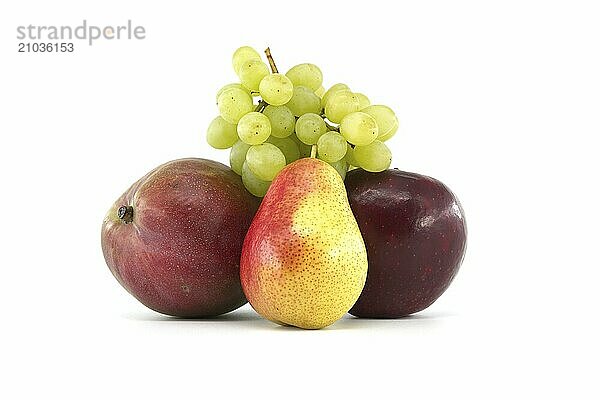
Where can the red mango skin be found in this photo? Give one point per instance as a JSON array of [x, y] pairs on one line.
[[415, 233], [180, 253]]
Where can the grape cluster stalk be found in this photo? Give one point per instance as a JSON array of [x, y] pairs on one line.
[[270, 120]]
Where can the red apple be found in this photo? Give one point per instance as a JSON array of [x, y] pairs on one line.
[[174, 238], [415, 232]]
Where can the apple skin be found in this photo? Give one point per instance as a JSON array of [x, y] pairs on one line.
[[174, 238], [415, 232]]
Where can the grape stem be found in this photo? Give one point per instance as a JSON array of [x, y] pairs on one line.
[[313, 151], [261, 106], [331, 127], [271, 61]]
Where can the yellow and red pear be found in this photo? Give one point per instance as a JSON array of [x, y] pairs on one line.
[[304, 262]]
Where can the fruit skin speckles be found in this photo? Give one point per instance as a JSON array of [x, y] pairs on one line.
[[304, 262], [415, 232]]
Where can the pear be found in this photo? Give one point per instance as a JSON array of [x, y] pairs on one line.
[[304, 261]]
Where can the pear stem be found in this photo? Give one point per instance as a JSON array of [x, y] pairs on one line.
[[125, 214], [271, 61], [313, 151]]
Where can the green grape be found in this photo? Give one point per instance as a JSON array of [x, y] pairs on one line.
[[341, 167], [243, 54], [374, 157], [332, 90], [308, 75], [304, 101], [254, 184], [340, 104], [234, 103], [231, 85], [320, 91], [350, 155], [359, 128], [363, 101], [288, 147], [251, 73], [331, 147], [265, 161], [238, 156], [254, 128], [386, 121], [310, 127], [276, 89], [221, 134], [282, 120], [304, 148]]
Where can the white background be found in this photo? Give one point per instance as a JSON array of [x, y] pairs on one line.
[[499, 100]]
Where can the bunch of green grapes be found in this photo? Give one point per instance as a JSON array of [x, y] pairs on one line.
[[270, 120]]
